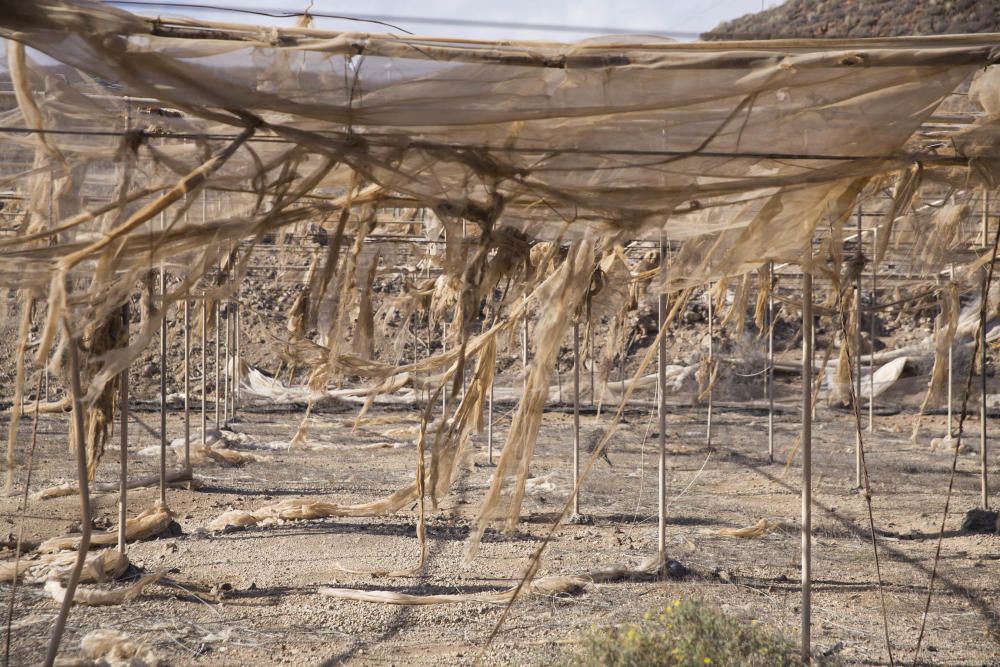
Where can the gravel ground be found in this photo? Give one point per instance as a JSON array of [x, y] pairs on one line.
[[250, 597]]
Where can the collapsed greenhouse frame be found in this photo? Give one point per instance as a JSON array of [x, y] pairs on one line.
[[535, 159]]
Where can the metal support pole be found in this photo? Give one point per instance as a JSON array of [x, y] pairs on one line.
[[238, 367], [444, 385], [218, 364], [576, 416], [593, 361], [951, 347], [204, 369], [807, 380], [986, 217], [857, 353], [227, 349], [231, 359], [163, 383], [623, 364], [983, 443], [711, 360], [123, 440], [187, 385], [770, 363], [559, 378], [524, 345], [983, 462], [871, 334], [85, 509], [661, 414], [489, 432]]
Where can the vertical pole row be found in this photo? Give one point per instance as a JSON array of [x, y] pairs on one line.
[[661, 415], [576, 417], [770, 363], [807, 380], [123, 439]]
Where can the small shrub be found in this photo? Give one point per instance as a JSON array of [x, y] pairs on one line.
[[686, 633]]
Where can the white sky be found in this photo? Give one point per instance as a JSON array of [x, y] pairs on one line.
[[682, 19]]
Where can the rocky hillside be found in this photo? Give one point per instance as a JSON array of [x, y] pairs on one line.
[[863, 18]]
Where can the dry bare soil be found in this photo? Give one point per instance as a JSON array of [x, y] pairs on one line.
[[250, 597]]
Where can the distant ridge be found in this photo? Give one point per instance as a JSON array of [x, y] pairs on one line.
[[862, 18]]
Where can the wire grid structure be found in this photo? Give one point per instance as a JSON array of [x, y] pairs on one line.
[[134, 143]]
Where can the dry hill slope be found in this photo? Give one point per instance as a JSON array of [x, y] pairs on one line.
[[863, 18]]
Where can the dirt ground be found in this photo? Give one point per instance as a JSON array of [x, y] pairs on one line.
[[250, 596]]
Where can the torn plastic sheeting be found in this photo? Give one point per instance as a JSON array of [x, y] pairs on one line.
[[96, 597], [113, 648], [71, 489], [552, 585], [759, 529], [98, 567], [149, 523]]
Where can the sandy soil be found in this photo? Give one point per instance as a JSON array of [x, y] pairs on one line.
[[250, 597]]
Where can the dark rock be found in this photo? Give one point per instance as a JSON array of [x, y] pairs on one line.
[[981, 521], [676, 569]]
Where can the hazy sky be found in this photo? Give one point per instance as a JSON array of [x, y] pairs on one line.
[[682, 19]]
